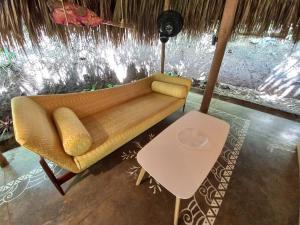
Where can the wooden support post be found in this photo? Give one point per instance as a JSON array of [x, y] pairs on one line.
[[298, 151], [163, 45], [223, 37], [167, 5], [3, 161], [162, 57]]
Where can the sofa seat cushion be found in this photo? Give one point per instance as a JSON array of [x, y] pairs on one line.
[[174, 90], [74, 137], [111, 128]]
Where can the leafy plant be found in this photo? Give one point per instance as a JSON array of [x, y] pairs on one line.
[[92, 88], [6, 126], [110, 85], [172, 74], [7, 56]]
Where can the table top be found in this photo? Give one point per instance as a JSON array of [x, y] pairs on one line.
[[182, 155]]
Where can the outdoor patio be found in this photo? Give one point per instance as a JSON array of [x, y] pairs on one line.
[[255, 181], [120, 112]]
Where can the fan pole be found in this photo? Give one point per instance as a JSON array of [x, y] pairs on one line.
[[163, 45], [223, 37]]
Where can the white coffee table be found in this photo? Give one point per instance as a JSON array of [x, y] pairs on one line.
[[182, 155]]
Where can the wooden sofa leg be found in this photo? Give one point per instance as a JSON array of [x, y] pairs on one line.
[[57, 182], [3, 161], [183, 108]]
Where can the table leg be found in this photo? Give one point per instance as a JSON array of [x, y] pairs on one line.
[[140, 177], [176, 213]]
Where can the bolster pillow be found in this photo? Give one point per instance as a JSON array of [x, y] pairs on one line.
[[174, 90], [75, 138]]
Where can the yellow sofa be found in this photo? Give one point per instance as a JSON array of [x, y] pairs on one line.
[[112, 116]]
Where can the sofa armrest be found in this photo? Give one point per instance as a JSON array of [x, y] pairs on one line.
[[35, 131], [173, 80]]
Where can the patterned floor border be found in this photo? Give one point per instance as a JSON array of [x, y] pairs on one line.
[[213, 189], [17, 187], [214, 194]]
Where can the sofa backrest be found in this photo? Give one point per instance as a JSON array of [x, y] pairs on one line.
[[172, 80], [88, 103], [174, 90]]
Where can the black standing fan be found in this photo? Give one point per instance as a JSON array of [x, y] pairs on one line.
[[169, 24]]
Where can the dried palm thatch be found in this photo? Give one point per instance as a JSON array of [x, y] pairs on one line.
[[253, 17]]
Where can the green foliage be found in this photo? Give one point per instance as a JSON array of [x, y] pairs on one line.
[[94, 87], [110, 85], [173, 73], [7, 58], [93, 80]]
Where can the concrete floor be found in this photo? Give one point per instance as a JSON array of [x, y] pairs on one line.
[[255, 181]]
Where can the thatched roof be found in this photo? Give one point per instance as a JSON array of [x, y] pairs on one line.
[[253, 17]]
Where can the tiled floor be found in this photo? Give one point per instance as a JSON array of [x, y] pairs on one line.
[[260, 187]]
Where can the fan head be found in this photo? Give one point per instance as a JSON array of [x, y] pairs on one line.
[[169, 24]]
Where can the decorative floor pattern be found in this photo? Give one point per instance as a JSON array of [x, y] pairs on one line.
[[18, 186], [203, 207]]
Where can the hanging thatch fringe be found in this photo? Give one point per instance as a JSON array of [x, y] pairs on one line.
[[258, 17], [200, 16], [253, 17]]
